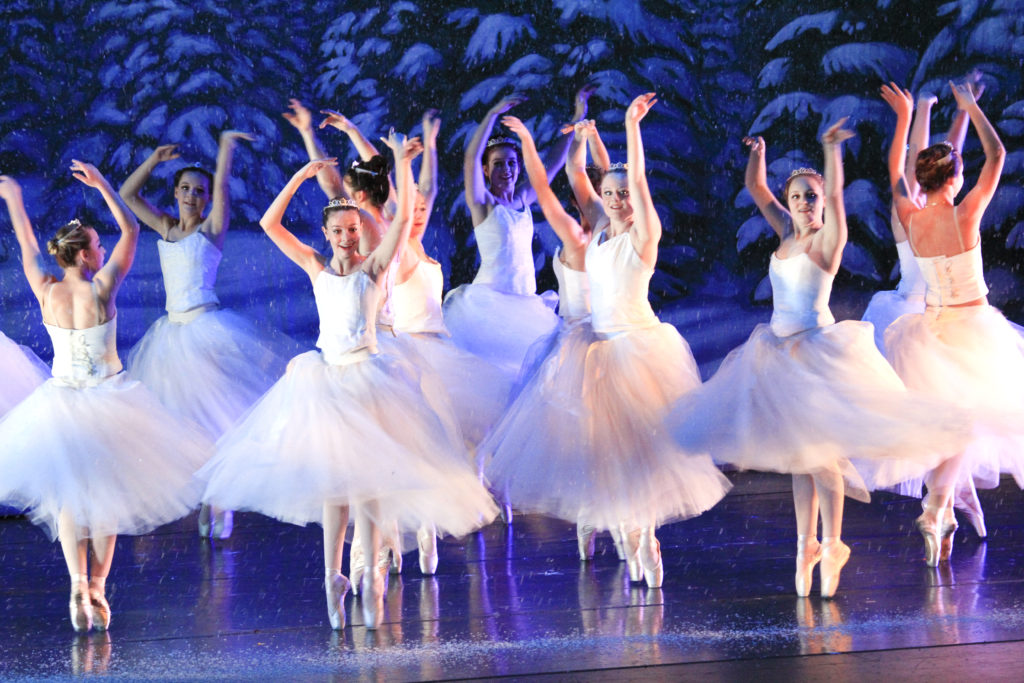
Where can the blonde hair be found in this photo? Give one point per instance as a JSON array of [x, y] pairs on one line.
[[69, 240]]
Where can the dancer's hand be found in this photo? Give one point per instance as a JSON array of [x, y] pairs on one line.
[[836, 133], [164, 153], [87, 173], [756, 144], [517, 127], [964, 94], [299, 116], [639, 108], [431, 126], [506, 103], [582, 97], [583, 129], [230, 137], [337, 120], [900, 99], [315, 166], [10, 190]]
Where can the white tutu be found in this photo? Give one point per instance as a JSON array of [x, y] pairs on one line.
[[211, 369], [348, 435], [885, 307], [584, 439], [477, 391], [22, 371], [972, 357], [496, 326], [817, 401], [109, 454]]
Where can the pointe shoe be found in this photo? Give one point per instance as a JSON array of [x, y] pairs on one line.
[[204, 521], [356, 565], [585, 541], [975, 515], [806, 559], [949, 527], [336, 587], [100, 609], [373, 599], [834, 556], [223, 524], [938, 540], [426, 539], [631, 546], [650, 560], [617, 535], [81, 609], [395, 559], [506, 513]]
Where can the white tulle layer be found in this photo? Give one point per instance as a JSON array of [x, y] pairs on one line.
[[209, 370], [348, 435], [111, 455], [883, 310], [584, 438], [22, 372], [973, 357], [496, 326], [477, 391], [818, 401]]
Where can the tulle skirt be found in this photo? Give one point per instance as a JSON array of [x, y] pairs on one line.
[[496, 326], [584, 439], [476, 390], [211, 369], [823, 400], [349, 435], [885, 307], [110, 455], [974, 358], [21, 370]]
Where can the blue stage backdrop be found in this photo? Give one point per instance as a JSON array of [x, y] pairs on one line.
[[108, 81]]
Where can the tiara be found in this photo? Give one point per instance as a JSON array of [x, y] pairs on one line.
[[803, 170], [617, 166], [74, 224], [502, 141], [341, 203]]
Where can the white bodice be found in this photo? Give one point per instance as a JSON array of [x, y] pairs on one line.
[[189, 267], [573, 290], [505, 241], [800, 292], [912, 284], [85, 357], [386, 309], [347, 306], [417, 301], [953, 280], [618, 286]]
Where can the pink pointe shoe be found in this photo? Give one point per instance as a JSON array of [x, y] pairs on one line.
[[81, 608], [426, 539], [373, 599], [650, 559], [808, 554], [336, 587], [834, 556], [585, 541]]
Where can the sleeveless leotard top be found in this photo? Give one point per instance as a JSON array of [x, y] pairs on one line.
[[573, 290], [84, 357], [912, 285], [618, 286], [953, 280], [417, 301], [347, 306], [800, 292], [505, 241], [189, 267]]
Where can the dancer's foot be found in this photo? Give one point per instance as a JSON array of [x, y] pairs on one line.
[[99, 604], [650, 559], [617, 536], [834, 556], [426, 539], [808, 554], [204, 520], [937, 534], [373, 588], [81, 607], [585, 540], [223, 524], [631, 546], [336, 587]]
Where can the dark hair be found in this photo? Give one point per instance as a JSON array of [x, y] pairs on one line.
[[936, 165], [596, 175], [194, 169], [502, 141], [370, 177], [333, 208], [69, 240]]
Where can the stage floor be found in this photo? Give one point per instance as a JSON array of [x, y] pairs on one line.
[[516, 602]]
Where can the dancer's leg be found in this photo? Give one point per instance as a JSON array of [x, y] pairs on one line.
[[373, 580], [831, 493], [808, 550], [102, 559], [335, 522], [76, 557]]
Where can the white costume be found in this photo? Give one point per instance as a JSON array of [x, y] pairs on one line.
[[22, 371]]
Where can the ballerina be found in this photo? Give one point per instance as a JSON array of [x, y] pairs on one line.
[[504, 290], [205, 363], [91, 453], [806, 395], [22, 371], [960, 348], [348, 426]]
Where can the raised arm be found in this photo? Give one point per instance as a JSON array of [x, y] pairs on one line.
[[756, 182], [301, 254], [329, 179], [977, 200], [111, 275], [903, 104], [555, 156], [958, 128], [646, 230], [394, 240], [427, 183], [583, 190], [920, 138], [220, 210], [478, 198], [574, 243], [363, 146], [833, 233], [131, 191], [31, 258]]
